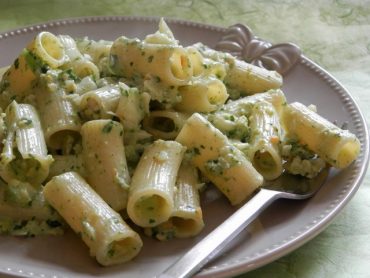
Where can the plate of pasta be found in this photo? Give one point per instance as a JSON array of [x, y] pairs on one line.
[[126, 140]]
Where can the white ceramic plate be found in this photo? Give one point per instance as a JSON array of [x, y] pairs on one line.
[[283, 227]]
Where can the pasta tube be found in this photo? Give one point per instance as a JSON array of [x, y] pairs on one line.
[[224, 165], [164, 124], [202, 95], [264, 146], [250, 79], [101, 103], [186, 219], [242, 76], [243, 105], [59, 118], [150, 199], [43, 52], [105, 161], [337, 147], [132, 58], [24, 156], [49, 49], [108, 237]]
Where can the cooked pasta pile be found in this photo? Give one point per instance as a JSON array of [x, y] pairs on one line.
[[95, 132]]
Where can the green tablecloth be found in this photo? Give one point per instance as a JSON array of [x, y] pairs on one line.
[[335, 34]]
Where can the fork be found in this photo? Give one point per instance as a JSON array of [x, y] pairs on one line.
[[287, 186]]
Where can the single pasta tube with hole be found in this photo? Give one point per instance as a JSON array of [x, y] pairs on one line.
[[101, 103], [43, 52], [105, 161], [24, 156], [250, 79], [59, 118], [132, 58], [152, 188], [222, 163], [110, 240], [48, 48], [164, 124], [186, 219], [336, 146], [264, 146], [202, 95]]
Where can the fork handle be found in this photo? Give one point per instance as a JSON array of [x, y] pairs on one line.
[[214, 242]]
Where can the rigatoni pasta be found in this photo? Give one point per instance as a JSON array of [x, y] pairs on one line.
[[24, 156], [187, 217], [336, 146], [202, 95], [150, 199], [43, 52], [250, 79], [108, 237], [100, 129], [58, 115], [100, 103], [105, 161], [265, 140], [219, 160], [135, 59], [164, 124]]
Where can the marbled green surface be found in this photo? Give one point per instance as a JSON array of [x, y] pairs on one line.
[[335, 34]]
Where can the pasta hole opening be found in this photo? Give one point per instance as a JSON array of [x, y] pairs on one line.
[[180, 66], [183, 225], [163, 124], [151, 209], [219, 71], [63, 140], [83, 68], [122, 250], [196, 60], [26, 170], [50, 49], [263, 162], [347, 154]]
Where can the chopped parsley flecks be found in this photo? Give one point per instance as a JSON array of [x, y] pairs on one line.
[[107, 128]]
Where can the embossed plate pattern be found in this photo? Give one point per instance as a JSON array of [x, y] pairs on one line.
[[280, 229]]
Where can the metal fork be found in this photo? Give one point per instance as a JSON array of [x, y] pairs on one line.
[[287, 187]]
